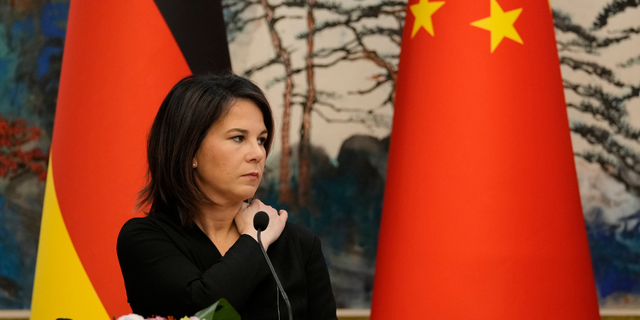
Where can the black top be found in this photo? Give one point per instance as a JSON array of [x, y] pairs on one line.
[[170, 269]]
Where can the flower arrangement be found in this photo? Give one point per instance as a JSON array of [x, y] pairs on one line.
[[134, 316], [220, 310]]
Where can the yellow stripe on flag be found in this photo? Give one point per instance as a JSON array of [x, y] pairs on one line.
[[62, 288]]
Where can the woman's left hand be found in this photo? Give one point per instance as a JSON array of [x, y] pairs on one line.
[[277, 221]]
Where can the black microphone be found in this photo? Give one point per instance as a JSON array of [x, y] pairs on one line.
[[260, 223]]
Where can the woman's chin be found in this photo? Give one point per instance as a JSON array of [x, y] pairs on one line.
[[246, 194], [234, 196]]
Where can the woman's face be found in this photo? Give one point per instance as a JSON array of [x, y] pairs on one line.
[[230, 160]]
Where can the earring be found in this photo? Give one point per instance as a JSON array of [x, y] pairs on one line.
[[194, 165]]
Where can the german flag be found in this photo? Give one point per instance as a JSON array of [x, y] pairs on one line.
[[121, 58], [481, 216]]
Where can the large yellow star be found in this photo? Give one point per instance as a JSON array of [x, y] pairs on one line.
[[423, 11], [500, 24]]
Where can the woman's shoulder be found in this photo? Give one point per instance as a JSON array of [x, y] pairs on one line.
[[299, 232], [306, 239], [138, 227], [150, 221]]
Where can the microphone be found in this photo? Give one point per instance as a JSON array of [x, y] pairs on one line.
[[260, 223]]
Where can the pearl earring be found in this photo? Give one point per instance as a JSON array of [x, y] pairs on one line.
[[194, 165]]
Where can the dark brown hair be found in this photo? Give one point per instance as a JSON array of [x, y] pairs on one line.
[[192, 106]]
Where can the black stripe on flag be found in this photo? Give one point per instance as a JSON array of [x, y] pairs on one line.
[[198, 27]]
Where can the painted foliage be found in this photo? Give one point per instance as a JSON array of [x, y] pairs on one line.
[[599, 48], [31, 43]]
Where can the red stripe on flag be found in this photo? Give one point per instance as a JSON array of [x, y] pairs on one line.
[[119, 62]]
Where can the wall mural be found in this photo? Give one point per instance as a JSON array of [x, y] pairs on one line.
[[599, 48], [31, 41], [329, 69]]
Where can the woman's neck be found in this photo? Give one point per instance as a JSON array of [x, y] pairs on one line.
[[217, 222]]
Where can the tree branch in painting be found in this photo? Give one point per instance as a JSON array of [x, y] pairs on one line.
[[602, 93], [285, 59], [304, 174], [355, 20], [602, 105]]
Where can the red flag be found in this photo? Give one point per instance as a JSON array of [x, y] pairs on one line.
[[121, 58], [482, 215]]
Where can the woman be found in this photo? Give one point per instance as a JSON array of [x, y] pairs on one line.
[[206, 152]]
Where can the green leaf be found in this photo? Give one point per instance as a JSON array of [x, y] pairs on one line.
[[220, 310]]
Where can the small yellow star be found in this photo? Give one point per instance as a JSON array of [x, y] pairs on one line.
[[423, 11], [500, 24]]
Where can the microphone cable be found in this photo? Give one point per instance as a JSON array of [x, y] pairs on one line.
[[260, 223]]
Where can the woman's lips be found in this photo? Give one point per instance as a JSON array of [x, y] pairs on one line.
[[252, 175]]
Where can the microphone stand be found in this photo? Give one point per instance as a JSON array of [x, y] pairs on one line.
[[275, 276]]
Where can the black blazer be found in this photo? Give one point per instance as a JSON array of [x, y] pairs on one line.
[[170, 269]]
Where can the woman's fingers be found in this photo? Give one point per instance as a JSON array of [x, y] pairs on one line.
[[277, 221], [282, 217], [276, 226]]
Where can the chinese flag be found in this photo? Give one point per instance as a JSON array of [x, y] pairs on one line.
[[481, 215], [121, 58]]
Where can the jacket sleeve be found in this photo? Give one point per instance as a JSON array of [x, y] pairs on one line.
[[322, 304], [161, 280]]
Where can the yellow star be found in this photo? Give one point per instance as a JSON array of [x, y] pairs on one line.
[[423, 11], [500, 24]]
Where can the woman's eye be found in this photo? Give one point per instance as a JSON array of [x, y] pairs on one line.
[[262, 140], [238, 138]]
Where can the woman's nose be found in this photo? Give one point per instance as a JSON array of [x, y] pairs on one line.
[[257, 152]]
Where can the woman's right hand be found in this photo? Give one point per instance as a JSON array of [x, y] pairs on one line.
[[277, 221]]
